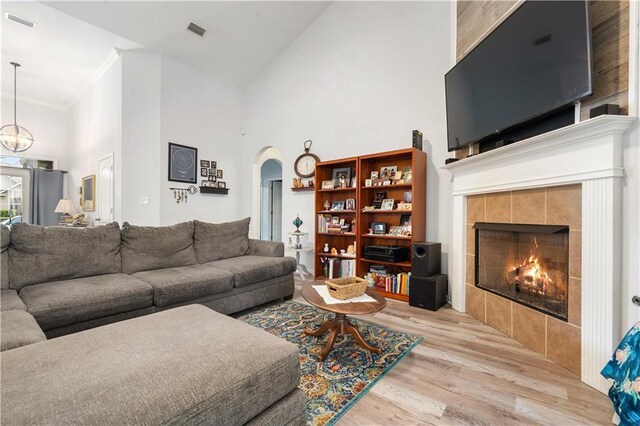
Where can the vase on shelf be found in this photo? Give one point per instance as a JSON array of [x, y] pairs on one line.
[[297, 222]]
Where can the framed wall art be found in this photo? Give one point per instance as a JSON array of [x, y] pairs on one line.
[[183, 163]]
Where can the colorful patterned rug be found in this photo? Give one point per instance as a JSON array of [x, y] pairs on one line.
[[348, 371]]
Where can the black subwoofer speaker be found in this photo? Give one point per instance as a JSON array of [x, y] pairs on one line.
[[428, 292], [425, 259]]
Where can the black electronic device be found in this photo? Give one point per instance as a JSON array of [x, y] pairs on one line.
[[534, 64], [428, 292], [417, 139], [451, 160], [391, 254], [425, 259], [378, 228], [611, 109]]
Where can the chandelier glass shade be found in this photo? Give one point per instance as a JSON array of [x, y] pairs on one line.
[[13, 137]]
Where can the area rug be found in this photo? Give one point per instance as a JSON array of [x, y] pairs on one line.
[[348, 372]]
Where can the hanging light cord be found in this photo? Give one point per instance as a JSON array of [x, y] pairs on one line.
[[15, 92]]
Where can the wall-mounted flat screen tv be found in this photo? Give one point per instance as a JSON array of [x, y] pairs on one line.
[[536, 62]]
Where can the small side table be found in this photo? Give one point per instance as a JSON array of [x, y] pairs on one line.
[[298, 248]]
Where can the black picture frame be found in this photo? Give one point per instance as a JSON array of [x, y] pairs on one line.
[[336, 176], [205, 164], [405, 219], [183, 163], [204, 172], [378, 228]]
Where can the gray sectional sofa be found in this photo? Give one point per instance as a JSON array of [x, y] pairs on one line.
[[89, 285]]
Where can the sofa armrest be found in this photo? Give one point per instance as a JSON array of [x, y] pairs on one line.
[[266, 248]]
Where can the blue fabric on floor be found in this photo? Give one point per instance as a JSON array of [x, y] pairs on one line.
[[624, 370]]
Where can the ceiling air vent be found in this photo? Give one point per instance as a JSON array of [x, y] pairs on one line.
[[19, 20], [196, 29]]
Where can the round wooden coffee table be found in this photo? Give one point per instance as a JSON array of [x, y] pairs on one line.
[[341, 324]]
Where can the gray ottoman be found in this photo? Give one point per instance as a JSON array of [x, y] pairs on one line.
[[184, 365]]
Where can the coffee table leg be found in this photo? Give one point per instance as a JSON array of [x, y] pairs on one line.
[[335, 330], [322, 329], [347, 327]]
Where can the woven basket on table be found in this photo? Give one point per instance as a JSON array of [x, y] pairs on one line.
[[346, 288]]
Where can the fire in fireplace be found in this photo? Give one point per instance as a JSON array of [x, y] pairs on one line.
[[528, 264]]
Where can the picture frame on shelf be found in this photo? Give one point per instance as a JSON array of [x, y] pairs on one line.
[[342, 177], [214, 164], [354, 182], [374, 175], [222, 184], [204, 172], [212, 178], [183, 162], [407, 196], [350, 204], [405, 219], [387, 171], [327, 184], [219, 173], [377, 199], [337, 205], [212, 171], [205, 164], [387, 204], [367, 182], [396, 230]]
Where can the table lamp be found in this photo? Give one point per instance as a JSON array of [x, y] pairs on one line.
[[66, 207]]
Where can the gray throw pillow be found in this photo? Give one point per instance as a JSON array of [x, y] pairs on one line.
[[38, 254], [216, 241], [146, 248]]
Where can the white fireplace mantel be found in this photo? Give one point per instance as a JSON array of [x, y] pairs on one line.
[[589, 153]]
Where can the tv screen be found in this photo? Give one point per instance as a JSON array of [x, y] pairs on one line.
[[537, 61]]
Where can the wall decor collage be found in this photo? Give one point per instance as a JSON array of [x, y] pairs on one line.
[[209, 170]]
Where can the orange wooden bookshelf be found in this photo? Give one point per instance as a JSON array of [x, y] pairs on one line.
[[361, 167]]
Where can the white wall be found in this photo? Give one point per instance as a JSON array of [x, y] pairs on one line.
[[95, 130], [48, 125], [200, 111], [141, 139], [357, 81]]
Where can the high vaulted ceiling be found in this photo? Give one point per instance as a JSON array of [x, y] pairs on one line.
[[242, 38], [64, 53], [59, 58]]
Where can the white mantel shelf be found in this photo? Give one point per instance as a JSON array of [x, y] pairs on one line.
[[589, 153]]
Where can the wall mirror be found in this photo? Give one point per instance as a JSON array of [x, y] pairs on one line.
[[88, 193]]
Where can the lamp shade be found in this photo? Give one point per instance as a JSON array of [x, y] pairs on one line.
[[65, 206]]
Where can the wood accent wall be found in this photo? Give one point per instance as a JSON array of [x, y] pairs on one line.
[[610, 38]]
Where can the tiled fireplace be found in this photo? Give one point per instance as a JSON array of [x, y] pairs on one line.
[[524, 268], [569, 181]]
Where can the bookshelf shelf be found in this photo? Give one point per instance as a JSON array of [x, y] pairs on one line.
[[385, 236], [361, 167]]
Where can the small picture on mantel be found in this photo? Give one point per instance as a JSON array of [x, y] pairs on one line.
[[212, 178], [222, 184]]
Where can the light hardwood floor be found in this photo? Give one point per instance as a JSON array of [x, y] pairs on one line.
[[465, 372]]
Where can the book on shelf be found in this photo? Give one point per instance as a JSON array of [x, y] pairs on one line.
[[391, 283], [339, 268]]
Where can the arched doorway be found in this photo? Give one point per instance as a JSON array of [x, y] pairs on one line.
[[262, 156], [271, 200]]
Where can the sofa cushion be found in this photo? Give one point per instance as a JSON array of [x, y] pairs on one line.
[[185, 283], [215, 241], [19, 329], [249, 270], [38, 254], [61, 303], [5, 239], [166, 368], [9, 301], [146, 248]]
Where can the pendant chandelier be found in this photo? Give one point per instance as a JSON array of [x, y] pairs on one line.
[[13, 137]]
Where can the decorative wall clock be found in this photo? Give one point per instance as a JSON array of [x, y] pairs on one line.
[[305, 165]]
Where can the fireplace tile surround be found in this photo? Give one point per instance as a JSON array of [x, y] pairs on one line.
[[553, 338], [588, 157]]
